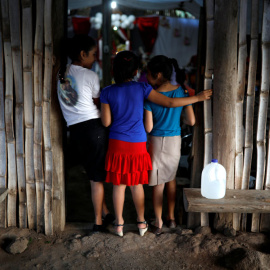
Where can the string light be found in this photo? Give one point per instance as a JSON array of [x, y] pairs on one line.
[[113, 4]]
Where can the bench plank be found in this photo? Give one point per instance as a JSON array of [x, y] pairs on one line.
[[235, 201], [3, 193]]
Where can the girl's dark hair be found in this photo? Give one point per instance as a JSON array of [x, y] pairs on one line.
[[125, 64], [72, 48], [165, 65]]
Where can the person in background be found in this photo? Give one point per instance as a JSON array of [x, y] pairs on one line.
[[127, 160], [164, 128], [83, 119]]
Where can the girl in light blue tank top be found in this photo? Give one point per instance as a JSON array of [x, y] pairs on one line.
[[163, 126]]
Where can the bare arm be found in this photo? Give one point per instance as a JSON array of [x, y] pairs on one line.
[[148, 121], [189, 116], [97, 102], [162, 100], [106, 116]]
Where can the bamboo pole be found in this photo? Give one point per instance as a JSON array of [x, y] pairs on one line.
[[10, 139], [3, 152], [239, 142], [38, 70], [263, 107], [265, 218], [15, 35], [248, 148], [209, 67], [28, 111], [46, 116], [197, 151]]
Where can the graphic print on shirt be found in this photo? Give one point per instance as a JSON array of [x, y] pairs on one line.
[[68, 92]]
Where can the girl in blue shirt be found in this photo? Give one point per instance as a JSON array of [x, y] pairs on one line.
[[163, 126], [127, 160]]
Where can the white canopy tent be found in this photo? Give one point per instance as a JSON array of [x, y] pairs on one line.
[[192, 6]]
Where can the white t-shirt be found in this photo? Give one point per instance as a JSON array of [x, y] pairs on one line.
[[76, 95]]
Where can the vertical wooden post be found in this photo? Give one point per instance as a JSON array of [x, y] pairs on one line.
[[3, 146], [193, 219], [59, 17], [224, 94], [106, 43]]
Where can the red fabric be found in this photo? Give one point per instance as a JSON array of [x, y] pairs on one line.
[[191, 91], [127, 163], [81, 25], [148, 27]]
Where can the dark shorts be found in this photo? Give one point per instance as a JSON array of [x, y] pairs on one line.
[[90, 139]]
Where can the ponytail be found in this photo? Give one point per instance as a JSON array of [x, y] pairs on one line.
[[72, 48], [180, 73], [63, 60]]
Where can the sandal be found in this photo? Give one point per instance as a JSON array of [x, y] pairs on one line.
[[142, 231], [117, 232], [108, 219], [171, 223], [98, 228], [156, 230]]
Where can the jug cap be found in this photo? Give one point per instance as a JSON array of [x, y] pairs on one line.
[[214, 160]]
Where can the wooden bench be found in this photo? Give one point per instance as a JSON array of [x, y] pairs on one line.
[[3, 193], [235, 201]]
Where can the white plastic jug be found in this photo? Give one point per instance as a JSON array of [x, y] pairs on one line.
[[213, 181]]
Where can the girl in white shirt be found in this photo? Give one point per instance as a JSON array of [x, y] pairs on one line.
[[78, 95]]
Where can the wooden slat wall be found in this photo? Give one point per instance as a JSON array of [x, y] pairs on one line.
[[30, 162]]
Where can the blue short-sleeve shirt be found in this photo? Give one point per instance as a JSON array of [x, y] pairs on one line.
[[126, 101], [166, 120]]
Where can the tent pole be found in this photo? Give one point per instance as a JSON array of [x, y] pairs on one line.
[[107, 43]]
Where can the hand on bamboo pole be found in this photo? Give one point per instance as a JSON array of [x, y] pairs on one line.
[[204, 95]]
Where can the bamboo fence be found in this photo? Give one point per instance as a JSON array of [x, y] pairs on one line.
[[263, 109], [25, 146], [244, 127]]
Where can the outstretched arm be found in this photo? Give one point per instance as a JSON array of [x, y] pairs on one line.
[[162, 100], [106, 116]]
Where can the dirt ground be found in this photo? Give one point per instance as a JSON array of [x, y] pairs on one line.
[[78, 248]]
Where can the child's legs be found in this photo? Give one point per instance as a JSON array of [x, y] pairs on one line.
[[97, 194], [118, 202], [138, 199], [157, 203], [171, 194]]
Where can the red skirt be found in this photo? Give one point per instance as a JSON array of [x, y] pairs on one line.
[[127, 163]]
